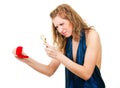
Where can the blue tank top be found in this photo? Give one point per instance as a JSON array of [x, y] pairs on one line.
[[73, 81]]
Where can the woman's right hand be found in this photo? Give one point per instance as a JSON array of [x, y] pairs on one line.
[[19, 54]]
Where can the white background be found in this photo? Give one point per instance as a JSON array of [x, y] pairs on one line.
[[22, 22]]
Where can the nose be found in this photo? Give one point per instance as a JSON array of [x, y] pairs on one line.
[[60, 29]]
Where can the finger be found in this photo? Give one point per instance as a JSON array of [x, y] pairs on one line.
[[47, 45]]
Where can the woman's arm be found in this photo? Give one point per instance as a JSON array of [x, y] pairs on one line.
[[42, 68], [92, 54]]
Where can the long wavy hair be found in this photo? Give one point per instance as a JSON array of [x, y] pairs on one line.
[[65, 11]]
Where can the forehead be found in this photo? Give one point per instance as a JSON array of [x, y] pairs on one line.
[[58, 20]]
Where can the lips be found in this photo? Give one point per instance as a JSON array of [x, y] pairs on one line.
[[19, 52], [64, 34]]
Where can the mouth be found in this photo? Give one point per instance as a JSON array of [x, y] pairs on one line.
[[64, 34]]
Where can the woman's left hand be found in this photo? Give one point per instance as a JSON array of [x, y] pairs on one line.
[[53, 52]]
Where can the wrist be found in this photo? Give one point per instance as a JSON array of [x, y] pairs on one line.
[[26, 60], [61, 57]]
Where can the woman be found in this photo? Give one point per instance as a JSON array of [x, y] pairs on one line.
[[77, 47]]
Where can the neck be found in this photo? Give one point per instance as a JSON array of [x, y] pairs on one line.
[[75, 37]]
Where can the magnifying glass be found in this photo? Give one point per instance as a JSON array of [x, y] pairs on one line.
[[43, 38]]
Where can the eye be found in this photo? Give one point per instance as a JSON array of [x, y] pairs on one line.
[[61, 24], [56, 27]]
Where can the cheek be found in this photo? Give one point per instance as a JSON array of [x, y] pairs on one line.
[[70, 31], [58, 32], [70, 28]]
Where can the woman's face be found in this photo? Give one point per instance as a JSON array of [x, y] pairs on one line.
[[63, 26]]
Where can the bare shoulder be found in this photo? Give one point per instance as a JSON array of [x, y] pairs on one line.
[[92, 36]]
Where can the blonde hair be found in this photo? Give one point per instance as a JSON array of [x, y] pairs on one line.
[[67, 12]]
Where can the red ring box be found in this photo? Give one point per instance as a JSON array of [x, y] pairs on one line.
[[19, 52]]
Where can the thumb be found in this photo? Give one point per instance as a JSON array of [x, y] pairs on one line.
[[47, 45]]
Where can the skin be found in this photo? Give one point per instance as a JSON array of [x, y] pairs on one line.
[[92, 55]]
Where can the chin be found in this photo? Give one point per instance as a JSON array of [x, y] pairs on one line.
[[67, 36]]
